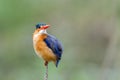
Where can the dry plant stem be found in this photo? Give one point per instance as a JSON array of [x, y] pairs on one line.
[[46, 73]]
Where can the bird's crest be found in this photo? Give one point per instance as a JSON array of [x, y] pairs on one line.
[[39, 25]]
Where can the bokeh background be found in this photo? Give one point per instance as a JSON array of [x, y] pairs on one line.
[[88, 29]]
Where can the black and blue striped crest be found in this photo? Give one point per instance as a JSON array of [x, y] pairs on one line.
[[39, 25]]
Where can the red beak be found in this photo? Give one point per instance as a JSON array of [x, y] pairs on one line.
[[46, 26]]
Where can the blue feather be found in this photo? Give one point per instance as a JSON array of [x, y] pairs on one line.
[[39, 25], [55, 46]]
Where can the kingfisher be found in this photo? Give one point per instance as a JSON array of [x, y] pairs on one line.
[[46, 46]]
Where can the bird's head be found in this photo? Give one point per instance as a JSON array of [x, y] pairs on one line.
[[41, 28]]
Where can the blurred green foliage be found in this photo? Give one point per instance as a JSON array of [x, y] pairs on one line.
[[85, 27]]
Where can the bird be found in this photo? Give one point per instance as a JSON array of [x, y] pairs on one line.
[[47, 46]]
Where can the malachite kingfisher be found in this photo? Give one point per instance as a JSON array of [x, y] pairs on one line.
[[46, 46]]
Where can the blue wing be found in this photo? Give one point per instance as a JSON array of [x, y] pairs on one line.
[[55, 46]]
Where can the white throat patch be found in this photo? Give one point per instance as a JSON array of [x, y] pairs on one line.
[[39, 33], [42, 32]]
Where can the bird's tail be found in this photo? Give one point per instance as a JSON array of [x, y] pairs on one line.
[[56, 63]]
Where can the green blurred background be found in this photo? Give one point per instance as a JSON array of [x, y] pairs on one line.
[[88, 29]]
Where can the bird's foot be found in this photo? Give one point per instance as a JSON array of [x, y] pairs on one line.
[[46, 63]]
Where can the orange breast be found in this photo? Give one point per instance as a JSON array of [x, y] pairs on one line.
[[41, 48]]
